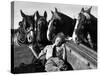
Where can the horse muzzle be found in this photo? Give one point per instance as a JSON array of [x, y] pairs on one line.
[[30, 37]]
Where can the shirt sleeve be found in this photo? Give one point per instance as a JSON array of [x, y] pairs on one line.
[[43, 52], [64, 53]]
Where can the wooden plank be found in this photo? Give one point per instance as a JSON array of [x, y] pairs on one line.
[[76, 58]]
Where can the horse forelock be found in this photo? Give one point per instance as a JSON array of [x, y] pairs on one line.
[[41, 24], [87, 15], [56, 16]]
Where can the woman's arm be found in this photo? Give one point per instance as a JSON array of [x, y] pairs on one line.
[[64, 53], [42, 52]]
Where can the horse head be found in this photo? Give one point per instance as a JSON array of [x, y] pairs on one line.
[[86, 25], [41, 27], [26, 29], [59, 23]]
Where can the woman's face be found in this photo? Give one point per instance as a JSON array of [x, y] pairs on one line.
[[58, 41]]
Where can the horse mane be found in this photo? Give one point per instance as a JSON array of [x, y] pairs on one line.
[[64, 17], [93, 18], [67, 22]]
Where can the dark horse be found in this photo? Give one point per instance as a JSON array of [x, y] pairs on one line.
[[41, 30], [60, 23], [26, 27], [86, 29], [25, 36]]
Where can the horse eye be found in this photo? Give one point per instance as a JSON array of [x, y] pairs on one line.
[[54, 23], [27, 28]]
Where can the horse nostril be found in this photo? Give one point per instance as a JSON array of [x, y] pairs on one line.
[[30, 39]]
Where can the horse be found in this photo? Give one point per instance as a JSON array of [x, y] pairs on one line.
[[25, 34], [32, 33], [41, 30], [86, 29], [60, 23], [27, 26]]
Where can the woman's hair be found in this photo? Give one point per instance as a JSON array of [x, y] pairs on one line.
[[60, 35]]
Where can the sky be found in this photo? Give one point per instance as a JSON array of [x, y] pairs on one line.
[[29, 8]]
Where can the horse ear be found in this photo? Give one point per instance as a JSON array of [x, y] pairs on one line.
[[33, 15], [45, 14], [20, 24], [89, 10], [52, 12], [82, 10], [22, 14], [56, 10], [37, 14]]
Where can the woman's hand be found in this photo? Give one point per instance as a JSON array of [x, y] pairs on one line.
[[54, 45]]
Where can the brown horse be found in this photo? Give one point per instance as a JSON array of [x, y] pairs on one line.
[[60, 23], [86, 29], [41, 30], [25, 34]]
